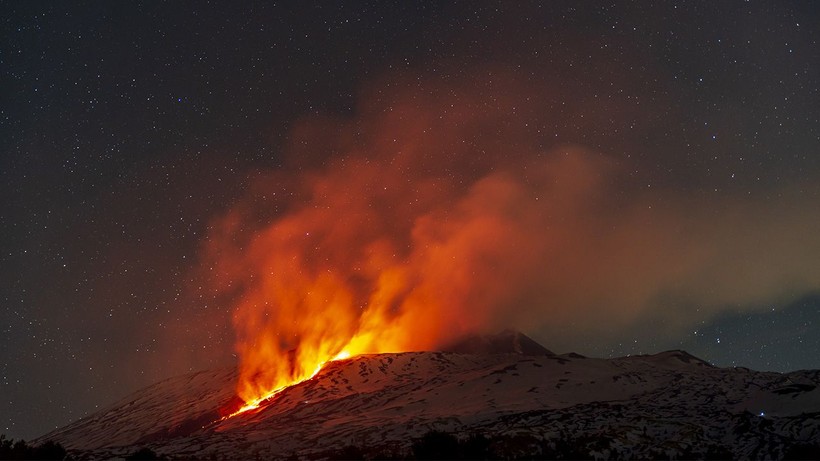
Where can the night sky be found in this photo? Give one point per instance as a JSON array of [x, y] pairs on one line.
[[680, 143]]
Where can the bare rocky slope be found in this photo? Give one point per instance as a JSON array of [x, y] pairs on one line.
[[527, 402]]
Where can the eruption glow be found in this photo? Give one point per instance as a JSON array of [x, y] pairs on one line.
[[330, 281], [255, 403], [393, 246]]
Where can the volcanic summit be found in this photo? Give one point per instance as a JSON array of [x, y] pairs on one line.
[[507, 391]]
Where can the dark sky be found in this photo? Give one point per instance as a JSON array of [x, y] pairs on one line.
[[687, 216]]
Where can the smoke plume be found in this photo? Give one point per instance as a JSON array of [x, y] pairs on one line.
[[443, 208]]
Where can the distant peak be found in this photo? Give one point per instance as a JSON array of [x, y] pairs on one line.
[[681, 355], [505, 342]]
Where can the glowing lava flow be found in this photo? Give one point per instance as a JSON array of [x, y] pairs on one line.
[[254, 404]]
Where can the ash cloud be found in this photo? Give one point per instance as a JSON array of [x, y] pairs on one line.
[[444, 207]]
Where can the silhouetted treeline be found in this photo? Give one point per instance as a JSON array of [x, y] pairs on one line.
[[446, 446], [144, 454], [443, 445], [9, 449]]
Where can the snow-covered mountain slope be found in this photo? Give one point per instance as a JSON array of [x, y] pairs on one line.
[[669, 405], [169, 404]]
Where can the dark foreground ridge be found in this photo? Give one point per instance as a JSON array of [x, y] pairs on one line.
[[499, 396]]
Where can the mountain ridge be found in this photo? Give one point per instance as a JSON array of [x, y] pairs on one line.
[[384, 401]]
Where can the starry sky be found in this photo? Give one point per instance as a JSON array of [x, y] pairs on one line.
[[688, 216]]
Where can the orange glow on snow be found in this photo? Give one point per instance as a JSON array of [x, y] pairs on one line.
[[256, 403]]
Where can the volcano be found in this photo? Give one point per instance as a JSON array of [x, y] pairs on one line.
[[521, 399]]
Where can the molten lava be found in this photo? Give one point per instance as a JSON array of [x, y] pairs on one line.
[[254, 404]]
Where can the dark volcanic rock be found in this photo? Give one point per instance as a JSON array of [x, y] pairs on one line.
[[506, 342]]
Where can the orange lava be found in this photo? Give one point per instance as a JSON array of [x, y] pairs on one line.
[[256, 403]]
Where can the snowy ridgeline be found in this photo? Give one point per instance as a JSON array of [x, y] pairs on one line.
[[668, 405]]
